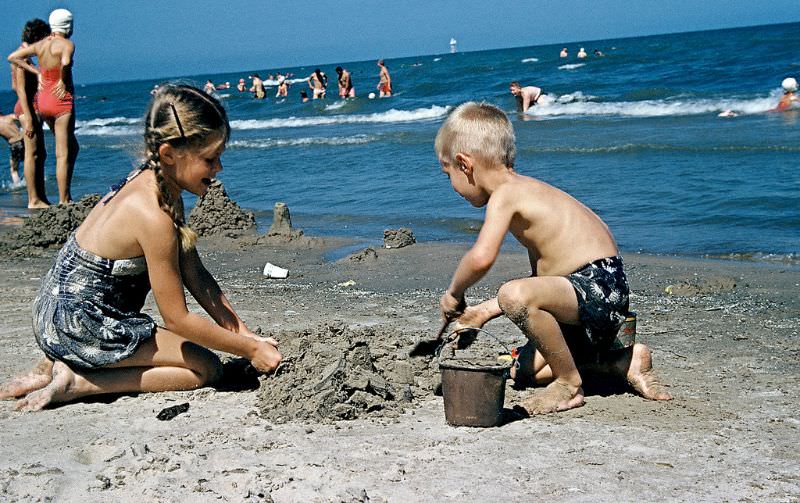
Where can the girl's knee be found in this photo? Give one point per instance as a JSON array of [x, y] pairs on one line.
[[205, 363]]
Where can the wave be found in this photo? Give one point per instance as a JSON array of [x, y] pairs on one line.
[[336, 105], [650, 108], [437, 59], [274, 83], [571, 66], [110, 121], [529, 60], [109, 131], [642, 147], [393, 115], [267, 143]]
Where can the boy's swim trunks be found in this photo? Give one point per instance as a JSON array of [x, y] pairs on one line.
[[87, 313], [17, 151], [602, 291]]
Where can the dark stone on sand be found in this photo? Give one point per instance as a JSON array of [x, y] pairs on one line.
[[169, 413], [398, 238], [215, 214], [49, 227]]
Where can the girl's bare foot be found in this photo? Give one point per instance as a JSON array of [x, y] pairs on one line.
[[60, 389], [640, 376], [38, 205], [556, 397], [39, 377]]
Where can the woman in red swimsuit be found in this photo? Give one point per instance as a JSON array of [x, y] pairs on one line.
[[25, 84], [54, 99]]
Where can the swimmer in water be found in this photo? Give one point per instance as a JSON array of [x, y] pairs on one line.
[[564, 53], [789, 98], [582, 53], [526, 96]]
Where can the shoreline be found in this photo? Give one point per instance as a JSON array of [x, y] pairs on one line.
[[725, 341]]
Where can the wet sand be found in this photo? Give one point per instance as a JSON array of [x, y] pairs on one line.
[[725, 339]]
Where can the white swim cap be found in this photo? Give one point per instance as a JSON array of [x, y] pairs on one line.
[[371, 96], [789, 84], [61, 21]]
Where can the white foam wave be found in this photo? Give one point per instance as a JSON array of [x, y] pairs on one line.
[[571, 66], [336, 105], [274, 82], [650, 108], [389, 116], [109, 130], [529, 60], [437, 59], [266, 143], [115, 121]]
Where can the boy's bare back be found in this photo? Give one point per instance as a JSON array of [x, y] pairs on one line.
[[560, 233]]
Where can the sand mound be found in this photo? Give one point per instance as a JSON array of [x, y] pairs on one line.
[[216, 213], [49, 227], [333, 372], [398, 238]]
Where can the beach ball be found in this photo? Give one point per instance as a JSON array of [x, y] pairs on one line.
[[372, 96]]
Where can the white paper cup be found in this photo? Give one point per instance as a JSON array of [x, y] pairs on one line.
[[273, 271]]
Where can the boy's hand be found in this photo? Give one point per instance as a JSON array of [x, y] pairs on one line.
[[450, 306]]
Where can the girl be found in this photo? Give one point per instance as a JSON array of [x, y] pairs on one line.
[[25, 85], [87, 317], [54, 99]]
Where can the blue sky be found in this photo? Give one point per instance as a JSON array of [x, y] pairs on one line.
[[140, 39]]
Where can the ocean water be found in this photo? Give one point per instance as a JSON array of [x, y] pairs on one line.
[[635, 135]]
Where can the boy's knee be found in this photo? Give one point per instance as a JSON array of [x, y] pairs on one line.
[[512, 299]]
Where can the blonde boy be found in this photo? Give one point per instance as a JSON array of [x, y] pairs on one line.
[[577, 277]]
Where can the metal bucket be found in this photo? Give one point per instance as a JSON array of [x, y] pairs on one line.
[[473, 392]]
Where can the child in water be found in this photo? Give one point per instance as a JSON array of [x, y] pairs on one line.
[[577, 296], [789, 98], [87, 315]]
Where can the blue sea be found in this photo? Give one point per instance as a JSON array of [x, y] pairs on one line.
[[635, 135]]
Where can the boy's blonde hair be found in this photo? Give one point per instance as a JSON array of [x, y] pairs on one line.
[[185, 117], [478, 129]]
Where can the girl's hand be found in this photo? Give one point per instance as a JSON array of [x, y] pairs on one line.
[[60, 90], [266, 356]]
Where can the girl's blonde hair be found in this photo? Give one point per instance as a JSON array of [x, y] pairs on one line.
[[477, 129], [184, 117]]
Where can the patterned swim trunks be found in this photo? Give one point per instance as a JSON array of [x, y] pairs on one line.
[[602, 290]]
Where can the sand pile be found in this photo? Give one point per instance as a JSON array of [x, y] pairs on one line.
[[49, 227], [216, 213], [334, 372], [398, 238]]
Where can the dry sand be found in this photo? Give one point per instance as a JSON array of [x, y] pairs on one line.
[[725, 339]]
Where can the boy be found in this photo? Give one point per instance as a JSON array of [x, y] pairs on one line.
[[526, 96], [577, 275]]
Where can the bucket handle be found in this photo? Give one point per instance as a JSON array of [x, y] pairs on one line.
[[450, 338]]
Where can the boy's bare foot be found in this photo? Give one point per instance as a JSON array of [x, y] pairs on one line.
[[39, 377], [639, 374], [60, 389], [556, 397]]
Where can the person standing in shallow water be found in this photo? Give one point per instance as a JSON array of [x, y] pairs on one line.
[[25, 84], [54, 99], [87, 315], [385, 83]]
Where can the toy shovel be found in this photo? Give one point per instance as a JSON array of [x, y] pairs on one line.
[[428, 347]]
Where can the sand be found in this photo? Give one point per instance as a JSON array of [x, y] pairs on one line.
[[349, 417]]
